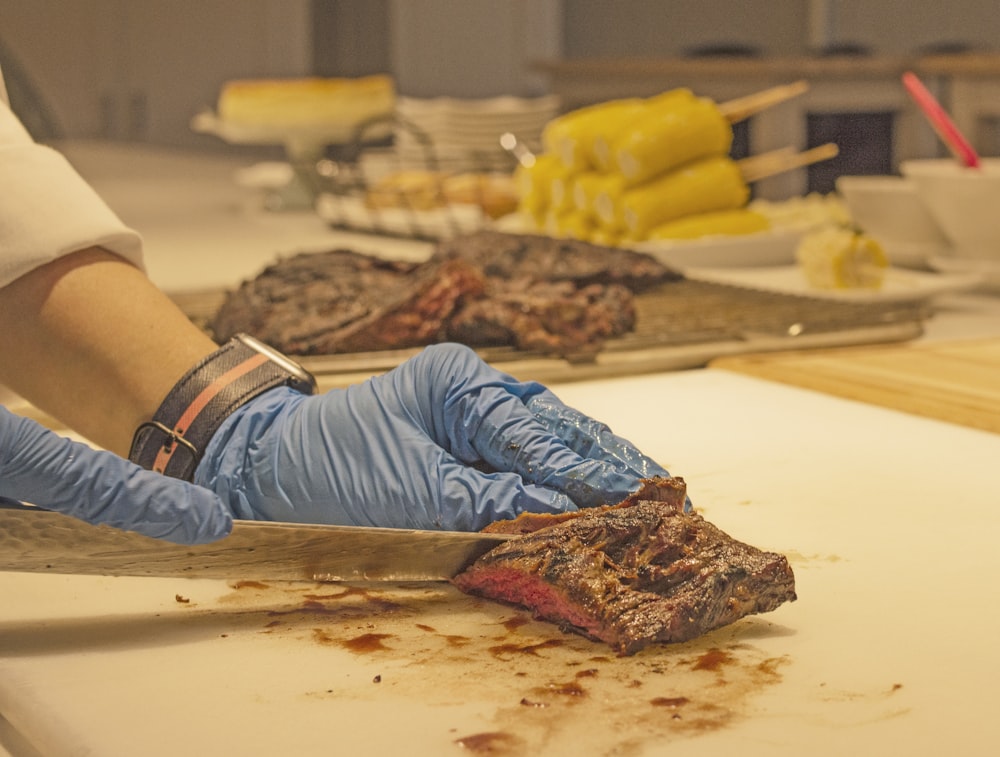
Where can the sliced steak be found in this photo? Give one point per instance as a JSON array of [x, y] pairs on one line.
[[486, 289], [297, 298], [414, 314], [634, 574], [542, 316]]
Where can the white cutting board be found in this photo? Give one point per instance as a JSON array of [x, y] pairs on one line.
[[890, 522]]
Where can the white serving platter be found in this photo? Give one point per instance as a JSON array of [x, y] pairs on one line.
[[768, 248], [987, 270], [346, 132], [900, 285]]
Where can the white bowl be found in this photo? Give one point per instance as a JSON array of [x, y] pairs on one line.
[[965, 202], [889, 208]]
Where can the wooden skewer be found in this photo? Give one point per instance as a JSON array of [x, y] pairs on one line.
[[742, 108], [772, 163], [754, 167]]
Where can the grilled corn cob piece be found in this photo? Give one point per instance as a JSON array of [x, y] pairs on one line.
[[534, 183], [841, 258], [667, 137], [571, 135], [591, 186], [665, 102], [573, 224], [719, 222], [599, 235], [699, 187], [561, 198], [608, 205]]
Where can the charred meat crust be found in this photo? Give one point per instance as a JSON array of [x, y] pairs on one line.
[[512, 256], [634, 574], [670, 491], [486, 289]]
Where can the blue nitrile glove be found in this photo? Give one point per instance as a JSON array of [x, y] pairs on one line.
[[51, 471], [409, 450]]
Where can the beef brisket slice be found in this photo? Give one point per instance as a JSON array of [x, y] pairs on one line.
[[634, 575]]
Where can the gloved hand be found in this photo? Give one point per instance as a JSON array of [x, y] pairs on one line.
[[51, 471], [444, 441]]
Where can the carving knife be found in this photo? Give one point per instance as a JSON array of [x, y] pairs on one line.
[[40, 541]]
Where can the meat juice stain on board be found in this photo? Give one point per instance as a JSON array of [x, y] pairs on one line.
[[544, 687], [492, 743], [452, 639]]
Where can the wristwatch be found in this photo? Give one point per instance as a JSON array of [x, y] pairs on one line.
[[174, 441]]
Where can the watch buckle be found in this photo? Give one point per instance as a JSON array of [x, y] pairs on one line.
[[172, 438]]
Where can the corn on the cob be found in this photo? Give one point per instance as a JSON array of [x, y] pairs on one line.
[[719, 222], [562, 195], [569, 224], [632, 169], [586, 186], [665, 102], [571, 136], [592, 186], [702, 186], [604, 237], [839, 258], [667, 137], [608, 204], [534, 183]]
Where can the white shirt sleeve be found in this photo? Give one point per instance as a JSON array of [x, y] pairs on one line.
[[46, 209]]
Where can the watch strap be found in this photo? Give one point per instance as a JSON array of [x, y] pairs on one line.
[[174, 441]]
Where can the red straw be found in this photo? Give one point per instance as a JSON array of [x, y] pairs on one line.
[[943, 125]]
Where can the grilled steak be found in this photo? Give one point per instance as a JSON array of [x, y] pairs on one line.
[[299, 298], [484, 289], [633, 574], [541, 316], [670, 491], [514, 256]]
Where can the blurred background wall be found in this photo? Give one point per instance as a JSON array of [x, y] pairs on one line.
[[139, 70]]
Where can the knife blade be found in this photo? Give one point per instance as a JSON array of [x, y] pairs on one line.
[[41, 541]]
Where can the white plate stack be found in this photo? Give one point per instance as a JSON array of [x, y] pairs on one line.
[[464, 134]]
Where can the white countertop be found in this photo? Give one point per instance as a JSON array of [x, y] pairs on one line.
[[200, 228], [889, 648]]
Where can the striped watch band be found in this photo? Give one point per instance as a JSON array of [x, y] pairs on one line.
[[174, 441]]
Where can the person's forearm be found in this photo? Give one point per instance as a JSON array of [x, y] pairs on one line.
[[90, 340]]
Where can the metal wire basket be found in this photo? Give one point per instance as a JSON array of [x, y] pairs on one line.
[[420, 190]]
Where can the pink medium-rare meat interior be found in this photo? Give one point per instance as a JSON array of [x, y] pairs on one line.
[[633, 574]]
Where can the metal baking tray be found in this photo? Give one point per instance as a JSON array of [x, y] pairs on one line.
[[680, 325]]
